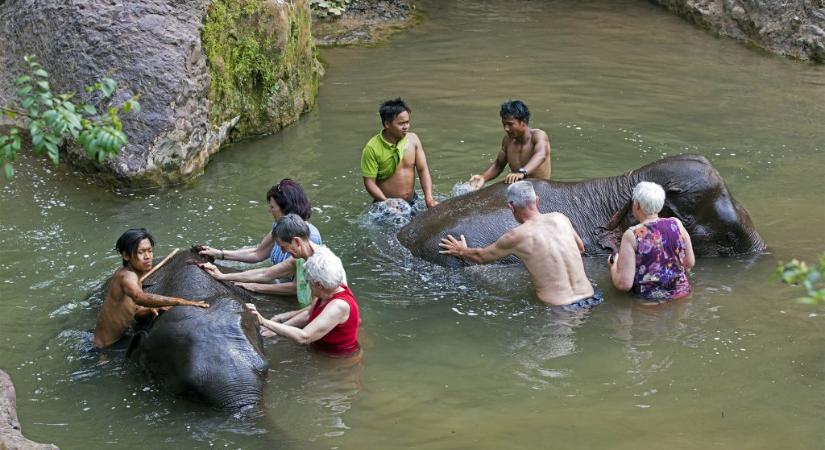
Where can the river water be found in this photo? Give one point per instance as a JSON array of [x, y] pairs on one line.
[[461, 359]]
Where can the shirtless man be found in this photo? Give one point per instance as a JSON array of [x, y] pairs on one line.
[[526, 150], [125, 298], [388, 159], [548, 246]]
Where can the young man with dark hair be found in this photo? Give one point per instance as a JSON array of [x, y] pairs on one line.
[[391, 158], [125, 298], [526, 150]]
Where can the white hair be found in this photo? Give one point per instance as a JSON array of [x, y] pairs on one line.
[[521, 194], [324, 268], [650, 197]]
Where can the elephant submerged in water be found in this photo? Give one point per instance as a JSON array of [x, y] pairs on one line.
[[213, 354], [600, 210]]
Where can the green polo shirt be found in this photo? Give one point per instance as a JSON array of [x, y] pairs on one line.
[[379, 159]]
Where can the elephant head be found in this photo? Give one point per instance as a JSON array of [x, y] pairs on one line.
[[599, 210]]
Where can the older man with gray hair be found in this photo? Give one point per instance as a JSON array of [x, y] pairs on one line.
[[548, 246]]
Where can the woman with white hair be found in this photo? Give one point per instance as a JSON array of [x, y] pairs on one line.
[[655, 255], [330, 323]]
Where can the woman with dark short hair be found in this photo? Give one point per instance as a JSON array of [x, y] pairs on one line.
[[286, 197], [655, 255]]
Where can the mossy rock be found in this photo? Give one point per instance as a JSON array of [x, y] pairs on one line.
[[262, 62]]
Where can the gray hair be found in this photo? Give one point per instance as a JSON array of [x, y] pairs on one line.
[[291, 226], [324, 268], [521, 194], [650, 197]]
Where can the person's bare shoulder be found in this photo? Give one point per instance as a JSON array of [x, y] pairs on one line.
[[539, 134], [413, 138]]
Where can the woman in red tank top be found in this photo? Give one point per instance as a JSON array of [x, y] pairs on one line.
[[330, 323]]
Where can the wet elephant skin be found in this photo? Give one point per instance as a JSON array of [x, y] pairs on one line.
[[213, 354]]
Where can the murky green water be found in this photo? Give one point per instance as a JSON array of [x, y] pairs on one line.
[[467, 359]]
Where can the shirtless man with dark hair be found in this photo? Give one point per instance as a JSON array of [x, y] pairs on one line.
[[125, 298], [526, 150], [548, 246], [391, 158]]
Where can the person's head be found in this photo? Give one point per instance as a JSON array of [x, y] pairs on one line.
[[288, 197], [395, 117], [136, 247], [650, 197], [324, 272], [515, 117], [291, 234], [521, 197]]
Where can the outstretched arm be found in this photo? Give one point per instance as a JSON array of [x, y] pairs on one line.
[[336, 312], [497, 166], [504, 246], [283, 269], [247, 255], [132, 288]]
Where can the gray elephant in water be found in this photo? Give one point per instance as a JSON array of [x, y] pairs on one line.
[[213, 354], [600, 210]]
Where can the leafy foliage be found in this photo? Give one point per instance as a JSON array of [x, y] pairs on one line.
[[798, 272], [50, 118], [328, 8]]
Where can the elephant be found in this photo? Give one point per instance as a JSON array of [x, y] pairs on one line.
[[213, 354], [600, 210]]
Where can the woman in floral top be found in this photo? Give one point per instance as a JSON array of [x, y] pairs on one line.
[[654, 255]]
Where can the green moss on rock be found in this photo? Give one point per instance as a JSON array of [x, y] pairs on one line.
[[263, 64]]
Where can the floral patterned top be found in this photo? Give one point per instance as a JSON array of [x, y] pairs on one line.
[[660, 274]]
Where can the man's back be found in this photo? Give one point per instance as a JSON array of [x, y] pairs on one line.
[[548, 248]]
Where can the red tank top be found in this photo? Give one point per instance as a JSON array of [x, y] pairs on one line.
[[343, 339]]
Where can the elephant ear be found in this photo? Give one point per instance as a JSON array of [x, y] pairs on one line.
[[609, 235]]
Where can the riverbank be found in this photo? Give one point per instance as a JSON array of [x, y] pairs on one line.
[[364, 22]]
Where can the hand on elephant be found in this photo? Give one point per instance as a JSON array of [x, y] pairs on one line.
[[453, 246], [212, 270], [208, 251], [254, 310], [191, 303], [513, 177], [475, 182]]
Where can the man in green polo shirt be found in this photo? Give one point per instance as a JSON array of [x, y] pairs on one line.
[[391, 158]]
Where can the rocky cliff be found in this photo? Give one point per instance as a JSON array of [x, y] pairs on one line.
[[794, 28], [200, 67]]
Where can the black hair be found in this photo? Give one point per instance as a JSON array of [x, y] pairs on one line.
[[291, 226], [392, 108], [291, 198], [515, 109], [129, 242]]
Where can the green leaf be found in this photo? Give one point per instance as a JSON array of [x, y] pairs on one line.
[[90, 110], [11, 115], [43, 85], [41, 73], [9, 171], [24, 90], [54, 152], [23, 79], [27, 102], [108, 86], [127, 107]]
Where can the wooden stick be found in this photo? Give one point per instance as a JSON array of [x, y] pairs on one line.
[[168, 257]]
